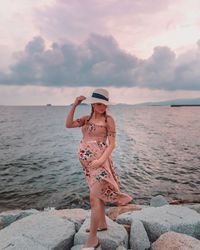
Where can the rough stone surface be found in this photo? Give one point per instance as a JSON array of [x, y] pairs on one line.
[[158, 220], [195, 207], [138, 236], [2, 224], [126, 218], [121, 248], [115, 236], [175, 241], [113, 212], [39, 231], [158, 201], [10, 216], [127, 227], [75, 215], [22, 243], [77, 224]]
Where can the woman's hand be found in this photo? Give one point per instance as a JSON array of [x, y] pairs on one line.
[[79, 99], [95, 164]]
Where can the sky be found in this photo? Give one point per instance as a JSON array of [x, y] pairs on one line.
[[141, 51]]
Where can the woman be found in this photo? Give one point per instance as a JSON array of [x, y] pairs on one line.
[[96, 146]]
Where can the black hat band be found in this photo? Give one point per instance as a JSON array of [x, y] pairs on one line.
[[96, 95]]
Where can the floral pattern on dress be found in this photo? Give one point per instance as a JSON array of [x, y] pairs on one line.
[[91, 127], [101, 144], [109, 193], [102, 175], [84, 154], [86, 172], [102, 181]]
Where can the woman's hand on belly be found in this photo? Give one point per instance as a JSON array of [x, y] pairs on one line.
[[95, 164]]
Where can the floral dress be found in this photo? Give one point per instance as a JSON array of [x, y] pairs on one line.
[[102, 182]]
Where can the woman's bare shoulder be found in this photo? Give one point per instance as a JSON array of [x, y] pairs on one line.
[[111, 122], [110, 118], [111, 126]]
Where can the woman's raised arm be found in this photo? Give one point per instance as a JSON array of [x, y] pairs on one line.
[[70, 123]]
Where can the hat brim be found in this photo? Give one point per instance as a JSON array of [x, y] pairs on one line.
[[97, 100]]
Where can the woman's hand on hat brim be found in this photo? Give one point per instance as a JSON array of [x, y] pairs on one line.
[[79, 99]]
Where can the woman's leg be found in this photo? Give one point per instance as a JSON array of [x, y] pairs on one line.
[[94, 221], [102, 217]]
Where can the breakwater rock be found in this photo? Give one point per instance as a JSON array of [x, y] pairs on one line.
[[129, 227]]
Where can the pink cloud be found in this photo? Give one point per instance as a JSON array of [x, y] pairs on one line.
[[138, 26], [75, 20]]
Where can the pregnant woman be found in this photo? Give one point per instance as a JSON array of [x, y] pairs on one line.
[[96, 146]]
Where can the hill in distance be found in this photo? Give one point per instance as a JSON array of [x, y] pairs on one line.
[[194, 101]]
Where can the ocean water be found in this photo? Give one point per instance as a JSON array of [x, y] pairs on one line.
[[157, 152]]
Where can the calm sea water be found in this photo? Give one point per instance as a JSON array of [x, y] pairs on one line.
[[157, 152]]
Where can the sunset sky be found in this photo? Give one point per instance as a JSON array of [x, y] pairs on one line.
[[54, 50]]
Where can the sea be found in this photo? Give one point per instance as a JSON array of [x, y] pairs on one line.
[[157, 153]]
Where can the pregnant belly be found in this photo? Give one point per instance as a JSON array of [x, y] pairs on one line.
[[90, 150]]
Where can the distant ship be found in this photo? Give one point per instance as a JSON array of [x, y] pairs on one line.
[[81, 104], [184, 105], [49, 104]]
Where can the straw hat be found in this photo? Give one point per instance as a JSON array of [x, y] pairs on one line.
[[99, 96]]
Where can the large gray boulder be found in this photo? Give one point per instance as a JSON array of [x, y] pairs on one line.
[[126, 218], [38, 231], [195, 207], [121, 248], [22, 243], [10, 216], [158, 220], [172, 240], [75, 215], [158, 201], [138, 236], [115, 236]]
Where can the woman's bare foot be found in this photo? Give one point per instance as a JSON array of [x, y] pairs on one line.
[[102, 227]]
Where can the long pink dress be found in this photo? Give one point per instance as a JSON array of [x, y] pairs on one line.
[[102, 182]]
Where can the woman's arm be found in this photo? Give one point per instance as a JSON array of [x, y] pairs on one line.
[[69, 120], [70, 123], [106, 153]]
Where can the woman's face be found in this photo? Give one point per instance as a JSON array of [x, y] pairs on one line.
[[99, 107]]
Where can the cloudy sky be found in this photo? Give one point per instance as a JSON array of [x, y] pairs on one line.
[[54, 50]]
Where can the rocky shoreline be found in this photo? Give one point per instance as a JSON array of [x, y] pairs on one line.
[[157, 226]]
